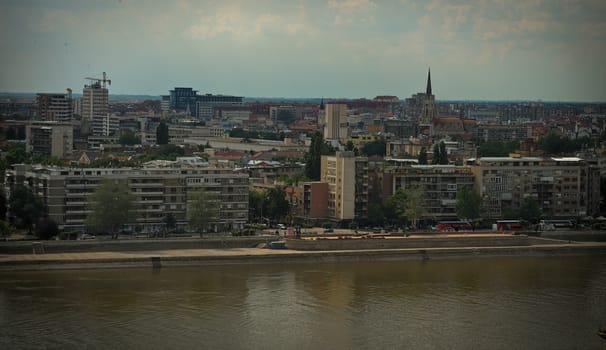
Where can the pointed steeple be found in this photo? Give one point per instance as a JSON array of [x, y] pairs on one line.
[[428, 91], [322, 104]]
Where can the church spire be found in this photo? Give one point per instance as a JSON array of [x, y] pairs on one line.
[[428, 92]]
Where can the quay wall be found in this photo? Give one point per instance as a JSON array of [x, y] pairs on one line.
[[315, 257], [396, 243], [27, 247]]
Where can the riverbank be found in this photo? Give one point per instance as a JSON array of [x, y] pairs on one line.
[[166, 258]]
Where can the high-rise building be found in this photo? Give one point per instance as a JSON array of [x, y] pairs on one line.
[[95, 108], [182, 99], [275, 111], [54, 107], [206, 104], [165, 103], [335, 121], [347, 178], [50, 139]]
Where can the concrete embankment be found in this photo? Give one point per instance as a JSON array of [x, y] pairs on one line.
[[386, 242], [205, 257], [130, 245]]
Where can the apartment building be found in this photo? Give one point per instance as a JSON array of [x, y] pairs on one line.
[[50, 139], [503, 133], [312, 201], [439, 183], [335, 121], [54, 107], [207, 103], [158, 192], [347, 178], [563, 187]]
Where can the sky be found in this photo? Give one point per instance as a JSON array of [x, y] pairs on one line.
[[549, 50]]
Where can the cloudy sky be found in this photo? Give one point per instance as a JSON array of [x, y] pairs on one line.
[[477, 49]]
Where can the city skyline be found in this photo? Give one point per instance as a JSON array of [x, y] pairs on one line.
[[477, 50]]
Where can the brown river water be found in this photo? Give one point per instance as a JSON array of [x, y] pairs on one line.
[[488, 303]]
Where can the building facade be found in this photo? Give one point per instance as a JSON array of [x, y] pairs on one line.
[[312, 201], [182, 99], [50, 139], [562, 187], [54, 107], [157, 192], [95, 109], [207, 103], [335, 121], [439, 184], [503, 133], [347, 178]]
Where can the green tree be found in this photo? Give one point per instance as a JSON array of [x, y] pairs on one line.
[[162, 137], [557, 144], [443, 154], [415, 204], [112, 205], [170, 223], [313, 157], [47, 228], [393, 207], [286, 116], [375, 148], [26, 207], [349, 146], [293, 180], [203, 208], [408, 204], [376, 214], [256, 201], [277, 206], [440, 156], [423, 156], [530, 210], [129, 138], [468, 204], [436, 154], [45, 160], [16, 154], [496, 149], [6, 230], [2, 204]]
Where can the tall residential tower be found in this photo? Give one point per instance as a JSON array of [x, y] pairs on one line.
[[95, 107]]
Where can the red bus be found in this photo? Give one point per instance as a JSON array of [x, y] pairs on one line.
[[509, 225], [454, 226]]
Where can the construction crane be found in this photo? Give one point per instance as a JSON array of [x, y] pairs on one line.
[[99, 81]]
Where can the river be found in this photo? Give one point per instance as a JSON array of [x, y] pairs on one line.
[[489, 303]]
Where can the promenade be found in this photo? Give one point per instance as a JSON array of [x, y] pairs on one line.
[[37, 260]]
